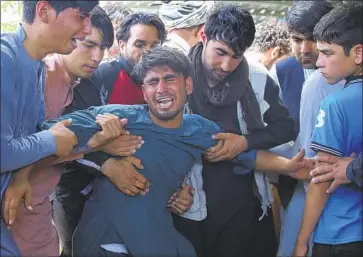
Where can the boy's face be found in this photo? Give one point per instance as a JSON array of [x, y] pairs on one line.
[[84, 60], [166, 92], [335, 65], [142, 38], [304, 50]]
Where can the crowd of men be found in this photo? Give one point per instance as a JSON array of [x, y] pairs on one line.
[[193, 132]]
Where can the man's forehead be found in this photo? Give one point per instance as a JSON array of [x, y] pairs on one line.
[[142, 32], [159, 71], [221, 45], [299, 36]]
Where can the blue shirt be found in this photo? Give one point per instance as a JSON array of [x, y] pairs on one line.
[[22, 108], [142, 223], [315, 89], [338, 131]]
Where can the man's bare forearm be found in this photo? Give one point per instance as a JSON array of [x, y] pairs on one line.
[[270, 162]]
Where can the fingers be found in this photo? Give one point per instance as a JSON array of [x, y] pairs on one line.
[[322, 169], [180, 205], [323, 178], [28, 200], [65, 123], [6, 209], [13, 207], [135, 161], [215, 148], [334, 185], [220, 136], [327, 158], [110, 124], [300, 155]]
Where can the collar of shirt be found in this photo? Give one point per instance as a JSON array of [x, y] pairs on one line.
[[353, 78], [20, 36]]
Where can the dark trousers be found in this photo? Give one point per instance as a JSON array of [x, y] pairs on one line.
[[191, 230], [231, 228], [342, 250], [68, 203]]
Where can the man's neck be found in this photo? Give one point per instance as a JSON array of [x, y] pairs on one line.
[[170, 124], [34, 43], [71, 76]]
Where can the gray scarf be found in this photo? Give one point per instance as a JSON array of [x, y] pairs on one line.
[[214, 102]]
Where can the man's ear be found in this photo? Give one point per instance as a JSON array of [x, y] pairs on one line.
[[45, 12], [121, 46], [275, 52], [199, 30], [189, 85], [143, 91], [204, 37], [357, 54]]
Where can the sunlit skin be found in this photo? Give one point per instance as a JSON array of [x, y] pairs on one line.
[[335, 65], [85, 59], [165, 92], [304, 50], [219, 60], [142, 38]]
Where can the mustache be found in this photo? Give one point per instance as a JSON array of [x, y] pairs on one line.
[[308, 55]]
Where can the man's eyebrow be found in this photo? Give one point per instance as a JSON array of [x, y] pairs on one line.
[[325, 51], [89, 41], [166, 76], [140, 41], [222, 50], [170, 76], [151, 79]]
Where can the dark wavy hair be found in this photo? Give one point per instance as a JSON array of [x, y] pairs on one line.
[[123, 32], [101, 21], [342, 26], [173, 58], [303, 16], [29, 6], [232, 25]]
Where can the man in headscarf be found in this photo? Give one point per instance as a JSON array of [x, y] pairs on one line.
[[184, 21]]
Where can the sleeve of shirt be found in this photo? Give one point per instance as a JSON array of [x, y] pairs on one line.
[[328, 133], [22, 151], [354, 171], [280, 126]]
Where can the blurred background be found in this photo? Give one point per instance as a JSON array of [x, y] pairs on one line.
[[11, 10]]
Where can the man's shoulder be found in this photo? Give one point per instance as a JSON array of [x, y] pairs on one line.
[[200, 123], [8, 47]]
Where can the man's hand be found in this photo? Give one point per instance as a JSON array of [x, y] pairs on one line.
[[123, 145], [332, 168], [182, 200], [298, 162], [65, 139], [125, 177], [230, 146], [300, 250], [18, 189], [112, 127]]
